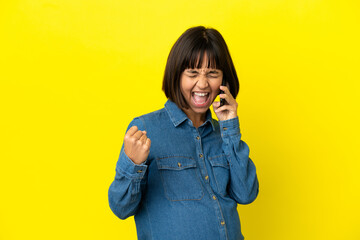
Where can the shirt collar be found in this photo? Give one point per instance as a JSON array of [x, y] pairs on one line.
[[178, 116]]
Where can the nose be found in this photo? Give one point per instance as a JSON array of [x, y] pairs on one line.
[[202, 82]]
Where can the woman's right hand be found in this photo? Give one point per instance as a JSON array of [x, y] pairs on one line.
[[137, 145]]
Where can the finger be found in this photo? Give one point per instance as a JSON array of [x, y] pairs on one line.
[[137, 135], [226, 90], [148, 142], [229, 99], [143, 139], [216, 104], [224, 108], [132, 131]]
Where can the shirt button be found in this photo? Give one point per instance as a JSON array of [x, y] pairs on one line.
[[224, 128], [197, 137], [200, 155], [214, 197], [206, 177], [139, 171], [179, 164], [222, 222]]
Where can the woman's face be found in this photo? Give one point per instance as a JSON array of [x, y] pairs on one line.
[[200, 86]]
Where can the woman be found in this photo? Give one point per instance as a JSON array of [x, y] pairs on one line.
[[180, 172]]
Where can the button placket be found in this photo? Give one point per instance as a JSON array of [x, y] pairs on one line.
[[199, 151], [206, 179]]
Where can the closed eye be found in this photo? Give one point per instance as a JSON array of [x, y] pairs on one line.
[[192, 73], [213, 75]]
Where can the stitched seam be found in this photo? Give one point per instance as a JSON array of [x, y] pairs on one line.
[[173, 156], [163, 181], [143, 121]]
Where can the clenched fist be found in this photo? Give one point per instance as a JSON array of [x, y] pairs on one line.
[[137, 145]]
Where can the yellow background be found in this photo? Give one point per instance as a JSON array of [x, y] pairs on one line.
[[74, 73]]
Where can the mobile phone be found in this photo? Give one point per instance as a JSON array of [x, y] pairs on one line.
[[222, 101]]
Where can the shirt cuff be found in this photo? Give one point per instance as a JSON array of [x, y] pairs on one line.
[[129, 168], [230, 127]]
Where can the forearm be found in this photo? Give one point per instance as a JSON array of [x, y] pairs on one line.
[[244, 185], [126, 190]]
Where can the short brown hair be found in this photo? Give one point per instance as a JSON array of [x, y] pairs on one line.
[[188, 52]]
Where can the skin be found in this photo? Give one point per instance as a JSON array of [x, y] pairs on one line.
[[206, 80], [137, 144]]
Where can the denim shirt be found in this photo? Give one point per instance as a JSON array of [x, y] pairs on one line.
[[190, 184]]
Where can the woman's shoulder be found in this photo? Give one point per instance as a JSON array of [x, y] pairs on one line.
[[150, 118], [153, 115]]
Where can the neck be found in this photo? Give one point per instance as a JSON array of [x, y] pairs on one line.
[[196, 118]]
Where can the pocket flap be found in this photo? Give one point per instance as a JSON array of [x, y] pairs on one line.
[[175, 163], [219, 161]]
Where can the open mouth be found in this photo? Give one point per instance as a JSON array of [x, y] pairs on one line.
[[200, 99]]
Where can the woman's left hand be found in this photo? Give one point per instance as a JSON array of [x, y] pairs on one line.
[[229, 109]]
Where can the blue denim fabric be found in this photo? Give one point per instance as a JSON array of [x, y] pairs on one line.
[[190, 185]]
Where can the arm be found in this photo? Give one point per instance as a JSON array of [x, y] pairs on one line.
[[244, 185], [126, 190]]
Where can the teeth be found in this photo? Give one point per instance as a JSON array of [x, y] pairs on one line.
[[200, 94]]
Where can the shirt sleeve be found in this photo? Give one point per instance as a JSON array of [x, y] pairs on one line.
[[244, 185], [130, 179]]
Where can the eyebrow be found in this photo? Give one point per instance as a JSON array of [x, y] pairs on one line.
[[195, 71]]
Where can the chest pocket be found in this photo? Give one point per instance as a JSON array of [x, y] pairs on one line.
[[180, 178], [221, 172]]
